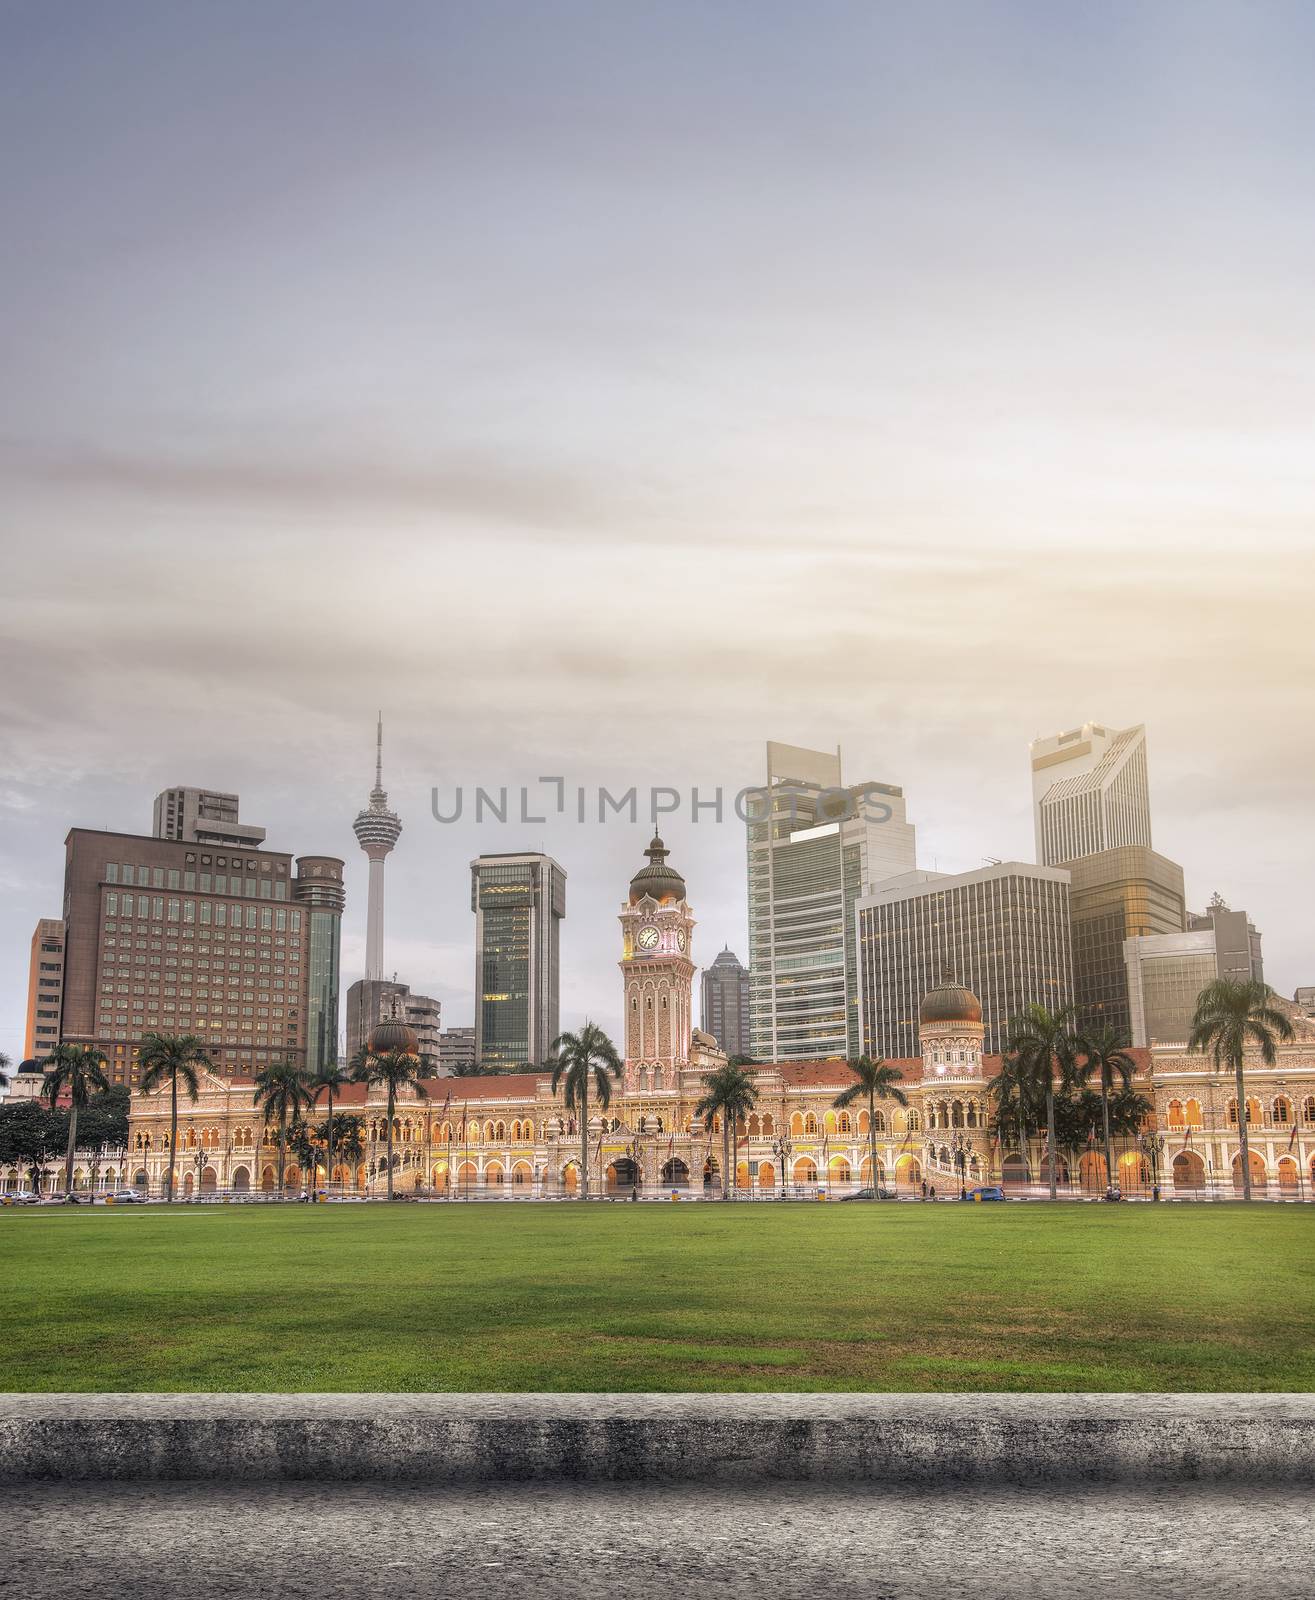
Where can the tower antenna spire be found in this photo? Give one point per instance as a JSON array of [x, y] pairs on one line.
[[379, 753]]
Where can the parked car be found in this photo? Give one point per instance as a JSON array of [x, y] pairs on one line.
[[20, 1197], [869, 1194], [128, 1197], [987, 1191]]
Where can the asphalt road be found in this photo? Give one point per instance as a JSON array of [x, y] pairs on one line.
[[276, 1540]]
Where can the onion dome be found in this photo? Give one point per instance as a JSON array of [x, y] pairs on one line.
[[393, 1035], [950, 1002], [664, 883]]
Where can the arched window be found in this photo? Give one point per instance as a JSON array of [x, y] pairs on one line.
[[1282, 1111], [1175, 1113], [810, 1124], [797, 1122], [915, 1122], [768, 1125], [1192, 1113], [843, 1123], [1308, 1110], [1255, 1112], [879, 1122]]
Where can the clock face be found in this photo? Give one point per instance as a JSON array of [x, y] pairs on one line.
[[682, 938], [648, 938]]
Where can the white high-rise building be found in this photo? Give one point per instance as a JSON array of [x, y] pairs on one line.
[[815, 845], [1089, 792], [377, 830]]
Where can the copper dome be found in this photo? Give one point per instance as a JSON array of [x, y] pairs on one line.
[[950, 1002], [657, 879], [393, 1035]]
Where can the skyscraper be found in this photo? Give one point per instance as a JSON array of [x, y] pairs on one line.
[[1126, 893], [371, 1001], [814, 845], [177, 936], [1002, 930], [519, 901], [1089, 792], [724, 1003], [45, 988], [377, 830], [203, 816], [1167, 972]]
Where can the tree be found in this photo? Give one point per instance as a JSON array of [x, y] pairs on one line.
[[4, 1070], [729, 1093], [283, 1092], [1017, 1107], [171, 1058], [1105, 1054], [874, 1080], [1230, 1014], [1045, 1046], [330, 1077], [577, 1058], [73, 1070], [29, 1136], [396, 1070]]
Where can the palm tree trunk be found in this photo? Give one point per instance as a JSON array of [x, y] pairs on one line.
[[872, 1143], [584, 1137], [283, 1149], [72, 1141], [1050, 1138], [173, 1137], [1105, 1114], [1244, 1148], [328, 1176], [388, 1151]]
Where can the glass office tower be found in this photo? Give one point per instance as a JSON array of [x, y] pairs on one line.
[[519, 902]]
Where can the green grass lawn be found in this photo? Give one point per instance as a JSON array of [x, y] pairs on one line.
[[676, 1297]]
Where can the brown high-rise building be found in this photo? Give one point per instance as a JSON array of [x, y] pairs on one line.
[[1125, 893], [45, 989], [179, 936]]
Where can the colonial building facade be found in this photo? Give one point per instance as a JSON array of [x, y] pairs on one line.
[[508, 1135]]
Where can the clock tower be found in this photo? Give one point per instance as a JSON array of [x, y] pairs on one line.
[[656, 932]]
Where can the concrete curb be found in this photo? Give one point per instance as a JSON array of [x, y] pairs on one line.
[[745, 1438]]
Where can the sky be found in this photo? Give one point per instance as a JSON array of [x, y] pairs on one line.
[[602, 390]]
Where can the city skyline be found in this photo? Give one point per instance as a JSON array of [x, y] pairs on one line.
[[597, 858]]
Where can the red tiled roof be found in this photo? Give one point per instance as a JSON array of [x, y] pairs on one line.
[[496, 1086]]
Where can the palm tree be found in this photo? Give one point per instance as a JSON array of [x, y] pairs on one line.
[[283, 1092], [731, 1095], [1045, 1046], [327, 1080], [4, 1070], [1016, 1105], [171, 1057], [874, 1080], [77, 1069], [396, 1070], [1230, 1013], [1105, 1052], [576, 1058]]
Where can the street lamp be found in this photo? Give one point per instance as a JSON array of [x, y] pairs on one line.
[[959, 1144], [781, 1149], [1152, 1144]]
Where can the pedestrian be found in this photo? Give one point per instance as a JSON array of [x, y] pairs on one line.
[[924, 1188], [932, 1192]]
